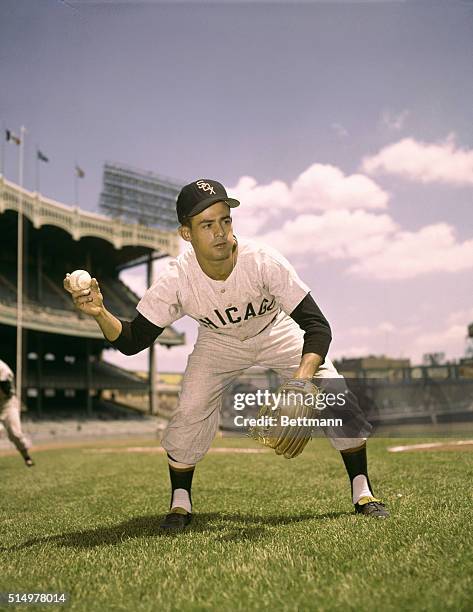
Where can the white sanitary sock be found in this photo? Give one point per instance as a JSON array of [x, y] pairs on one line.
[[181, 499], [360, 488]]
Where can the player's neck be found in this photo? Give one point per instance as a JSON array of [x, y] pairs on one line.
[[218, 270]]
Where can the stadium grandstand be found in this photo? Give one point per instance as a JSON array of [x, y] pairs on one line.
[[63, 349]]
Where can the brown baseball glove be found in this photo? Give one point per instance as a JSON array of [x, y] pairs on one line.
[[286, 425]]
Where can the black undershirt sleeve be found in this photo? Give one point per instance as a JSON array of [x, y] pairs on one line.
[[136, 335], [317, 335]]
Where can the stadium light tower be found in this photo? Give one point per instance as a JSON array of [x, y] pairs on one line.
[[139, 196], [144, 197]]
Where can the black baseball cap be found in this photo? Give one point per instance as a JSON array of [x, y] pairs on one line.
[[199, 195]]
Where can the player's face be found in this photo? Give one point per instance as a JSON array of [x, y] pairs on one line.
[[211, 233]]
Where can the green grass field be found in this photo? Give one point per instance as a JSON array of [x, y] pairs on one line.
[[268, 534]]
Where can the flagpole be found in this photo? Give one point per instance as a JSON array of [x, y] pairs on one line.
[[2, 152], [19, 296], [37, 170], [76, 187]]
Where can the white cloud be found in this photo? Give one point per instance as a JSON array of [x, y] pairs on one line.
[[275, 194], [424, 162], [394, 121], [450, 340], [325, 187], [320, 187], [378, 247], [259, 203], [331, 219], [409, 254], [336, 234]]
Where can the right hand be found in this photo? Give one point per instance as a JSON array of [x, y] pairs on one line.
[[88, 301]]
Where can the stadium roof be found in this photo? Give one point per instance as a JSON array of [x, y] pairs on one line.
[[59, 239], [79, 223]]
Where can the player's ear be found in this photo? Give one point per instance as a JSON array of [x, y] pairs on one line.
[[185, 233]]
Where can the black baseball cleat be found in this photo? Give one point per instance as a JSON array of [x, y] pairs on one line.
[[371, 506], [176, 520], [29, 461]]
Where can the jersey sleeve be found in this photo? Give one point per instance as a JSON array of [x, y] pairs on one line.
[[282, 281], [7, 380], [160, 304], [5, 372]]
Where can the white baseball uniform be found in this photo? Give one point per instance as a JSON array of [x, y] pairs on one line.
[[10, 412], [243, 321]]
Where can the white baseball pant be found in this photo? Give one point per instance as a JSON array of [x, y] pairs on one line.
[[216, 361], [10, 419]]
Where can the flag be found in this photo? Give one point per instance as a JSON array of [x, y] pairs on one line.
[[80, 173], [13, 137], [41, 156]]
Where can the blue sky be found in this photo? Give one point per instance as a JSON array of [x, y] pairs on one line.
[[345, 128]]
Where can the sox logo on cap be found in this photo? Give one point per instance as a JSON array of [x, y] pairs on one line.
[[205, 187]]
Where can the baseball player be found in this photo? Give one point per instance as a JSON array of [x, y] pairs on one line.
[[10, 413], [252, 309]]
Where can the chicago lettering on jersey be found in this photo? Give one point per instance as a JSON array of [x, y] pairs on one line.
[[232, 315]]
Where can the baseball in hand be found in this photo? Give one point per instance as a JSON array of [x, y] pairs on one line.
[[79, 280]]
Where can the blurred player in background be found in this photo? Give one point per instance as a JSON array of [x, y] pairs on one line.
[[10, 413]]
